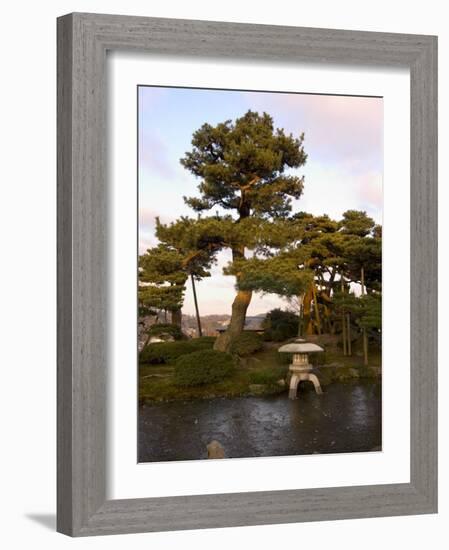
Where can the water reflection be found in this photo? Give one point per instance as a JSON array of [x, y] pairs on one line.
[[347, 417]]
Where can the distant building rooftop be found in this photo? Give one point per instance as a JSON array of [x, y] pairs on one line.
[[252, 324]]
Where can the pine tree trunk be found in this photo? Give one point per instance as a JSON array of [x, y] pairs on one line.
[[239, 309], [343, 333], [197, 311], [343, 322], [237, 323], [365, 335], [365, 348], [301, 315], [176, 317], [307, 329], [315, 307], [348, 333], [147, 341]]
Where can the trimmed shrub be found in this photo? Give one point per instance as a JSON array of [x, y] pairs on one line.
[[210, 340], [203, 367], [280, 325], [167, 352], [166, 329], [267, 376], [246, 344]]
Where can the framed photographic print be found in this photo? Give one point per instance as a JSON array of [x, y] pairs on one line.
[[246, 274]]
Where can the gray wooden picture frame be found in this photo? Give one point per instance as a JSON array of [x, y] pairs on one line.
[[83, 40]]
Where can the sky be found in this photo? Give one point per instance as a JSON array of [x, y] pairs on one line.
[[343, 141]]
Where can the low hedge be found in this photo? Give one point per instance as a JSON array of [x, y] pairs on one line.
[[167, 352], [246, 344], [166, 329], [268, 376], [203, 367], [210, 340]]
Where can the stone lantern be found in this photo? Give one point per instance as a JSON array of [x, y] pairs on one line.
[[301, 369]]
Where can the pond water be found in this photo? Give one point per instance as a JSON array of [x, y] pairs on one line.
[[346, 418]]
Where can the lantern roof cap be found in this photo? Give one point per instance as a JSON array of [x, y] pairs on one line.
[[300, 346]]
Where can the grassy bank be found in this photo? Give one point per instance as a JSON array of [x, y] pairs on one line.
[[265, 372]]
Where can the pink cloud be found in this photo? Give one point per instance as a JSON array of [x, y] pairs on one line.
[[154, 156], [348, 125], [343, 129], [146, 241], [147, 218], [370, 191]]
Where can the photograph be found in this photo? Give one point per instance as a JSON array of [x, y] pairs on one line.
[[259, 261], [232, 216]]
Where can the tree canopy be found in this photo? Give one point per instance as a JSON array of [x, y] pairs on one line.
[[243, 167], [161, 281], [248, 172]]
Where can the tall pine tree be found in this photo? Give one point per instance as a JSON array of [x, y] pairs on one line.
[[243, 168]]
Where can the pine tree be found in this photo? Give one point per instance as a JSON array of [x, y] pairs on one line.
[[196, 242], [364, 266], [162, 281], [316, 256], [243, 166]]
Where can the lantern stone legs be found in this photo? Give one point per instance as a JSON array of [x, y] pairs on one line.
[[300, 375]]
